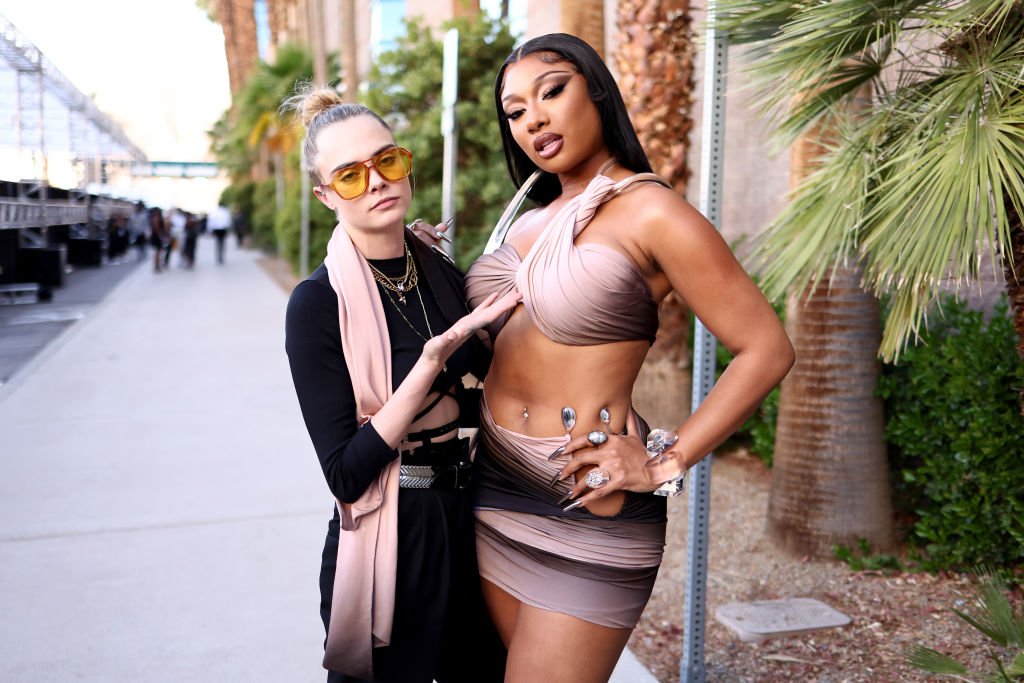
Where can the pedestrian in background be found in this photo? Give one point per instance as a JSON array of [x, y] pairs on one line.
[[138, 229], [219, 223], [158, 236]]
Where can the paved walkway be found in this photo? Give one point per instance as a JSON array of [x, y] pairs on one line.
[[161, 509]]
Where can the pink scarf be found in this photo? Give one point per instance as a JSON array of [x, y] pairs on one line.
[[363, 604]]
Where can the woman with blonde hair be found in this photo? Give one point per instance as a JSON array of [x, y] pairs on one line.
[[378, 339]]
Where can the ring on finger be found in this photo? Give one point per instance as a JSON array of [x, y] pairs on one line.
[[596, 478], [597, 437]]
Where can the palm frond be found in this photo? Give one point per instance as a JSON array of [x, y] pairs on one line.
[[972, 13], [1017, 665], [828, 48], [992, 614], [821, 224], [927, 659], [750, 22], [937, 210]]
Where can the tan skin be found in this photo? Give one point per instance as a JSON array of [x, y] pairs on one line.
[[375, 223], [676, 249]]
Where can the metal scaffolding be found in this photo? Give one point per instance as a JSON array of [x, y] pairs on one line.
[[44, 118]]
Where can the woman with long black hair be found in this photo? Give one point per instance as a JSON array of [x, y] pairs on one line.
[[569, 535]]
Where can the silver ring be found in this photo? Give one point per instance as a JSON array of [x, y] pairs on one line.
[[597, 437], [595, 479]]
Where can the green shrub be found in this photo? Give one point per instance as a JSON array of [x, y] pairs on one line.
[[287, 225], [264, 210], [956, 439], [404, 85]]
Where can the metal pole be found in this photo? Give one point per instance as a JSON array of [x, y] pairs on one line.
[[449, 96], [691, 668]]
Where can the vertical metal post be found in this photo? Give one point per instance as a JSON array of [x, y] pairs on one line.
[[449, 96], [691, 668]]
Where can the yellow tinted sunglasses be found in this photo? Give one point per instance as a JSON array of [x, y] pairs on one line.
[[352, 181]]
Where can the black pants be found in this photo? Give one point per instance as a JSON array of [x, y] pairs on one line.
[[220, 236], [441, 630]]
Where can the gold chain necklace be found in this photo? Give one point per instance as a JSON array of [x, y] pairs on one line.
[[398, 285], [408, 322]]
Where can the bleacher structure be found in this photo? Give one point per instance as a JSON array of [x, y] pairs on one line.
[[45, 120]]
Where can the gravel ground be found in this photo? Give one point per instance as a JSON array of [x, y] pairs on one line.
[[889, 613]]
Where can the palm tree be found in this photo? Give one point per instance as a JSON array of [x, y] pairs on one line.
[[654, 60], [238, 22], [349, 55], [919, 184], [585, 20], [935, 160]]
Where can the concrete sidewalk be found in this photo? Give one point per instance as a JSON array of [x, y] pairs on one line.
[[161, 509]]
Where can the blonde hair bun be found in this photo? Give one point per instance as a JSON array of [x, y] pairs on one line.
[[310, 100]]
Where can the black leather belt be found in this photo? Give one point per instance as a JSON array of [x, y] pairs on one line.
[[438, 465]]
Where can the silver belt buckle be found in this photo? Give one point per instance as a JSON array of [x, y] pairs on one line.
[[416, 476]]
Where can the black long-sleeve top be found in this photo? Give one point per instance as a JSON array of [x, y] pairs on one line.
[[352, 456]]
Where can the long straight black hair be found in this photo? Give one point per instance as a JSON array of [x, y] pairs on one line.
[[619, 136]]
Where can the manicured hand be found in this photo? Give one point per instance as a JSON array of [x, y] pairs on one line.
[[441, 347], [625, 460], [432, 235]]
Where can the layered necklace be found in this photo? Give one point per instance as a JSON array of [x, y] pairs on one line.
[[401, 285]]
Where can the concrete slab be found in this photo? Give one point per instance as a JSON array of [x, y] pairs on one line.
[[755, 622]]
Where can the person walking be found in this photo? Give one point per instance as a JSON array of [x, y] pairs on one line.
[[219, 222], [138, 229]]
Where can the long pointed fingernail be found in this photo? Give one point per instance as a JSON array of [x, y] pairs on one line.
[[557, 452], [564, 499], [554, 480], [450, 222], [572, 506], [442, 236]]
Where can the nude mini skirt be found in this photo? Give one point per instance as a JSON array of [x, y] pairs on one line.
[[599, 569]]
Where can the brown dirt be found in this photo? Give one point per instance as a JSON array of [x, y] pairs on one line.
[[890, 613]]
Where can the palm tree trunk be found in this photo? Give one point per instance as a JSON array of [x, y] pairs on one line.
[[314, 12], [585, 20], [654, 60], [238, 22], [830, 480], [1014, 275], [349, 56]]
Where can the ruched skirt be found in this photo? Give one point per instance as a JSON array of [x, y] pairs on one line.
[[599, 569]]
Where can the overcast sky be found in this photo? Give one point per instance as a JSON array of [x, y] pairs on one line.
[[157, 67]]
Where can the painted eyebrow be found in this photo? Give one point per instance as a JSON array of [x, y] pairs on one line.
[[536, 80], [337, 168]]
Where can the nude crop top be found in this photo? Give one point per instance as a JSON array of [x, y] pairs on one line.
[[577, 295]]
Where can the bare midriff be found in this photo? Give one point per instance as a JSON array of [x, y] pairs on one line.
[[533, 373]]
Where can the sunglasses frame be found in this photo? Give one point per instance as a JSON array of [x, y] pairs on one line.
[[402, 151]]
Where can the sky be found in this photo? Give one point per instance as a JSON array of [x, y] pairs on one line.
[[157, 67]]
